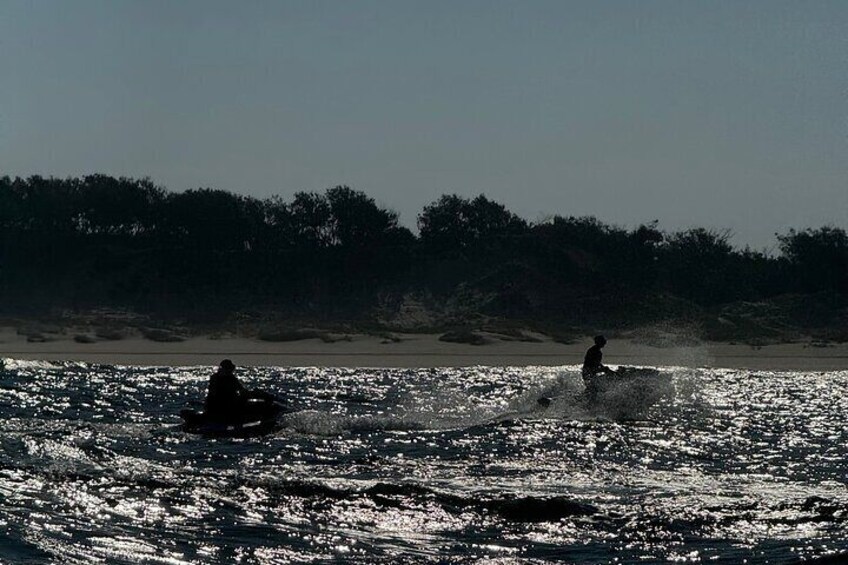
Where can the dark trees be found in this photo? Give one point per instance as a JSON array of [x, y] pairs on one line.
[[697, 264], [99, 240], [818, 258], [455, 225]]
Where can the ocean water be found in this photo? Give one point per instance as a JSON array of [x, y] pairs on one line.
[[453, 465]]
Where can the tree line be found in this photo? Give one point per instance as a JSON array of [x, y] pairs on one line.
[[96, 240]]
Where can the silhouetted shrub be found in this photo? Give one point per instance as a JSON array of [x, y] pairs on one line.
[[464, 336]]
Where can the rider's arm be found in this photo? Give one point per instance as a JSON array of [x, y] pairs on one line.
[[239, 389]]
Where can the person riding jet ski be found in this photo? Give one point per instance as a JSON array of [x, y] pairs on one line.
[[231, 410], [226, 396], [592, 365], [227, 401], [593, 368]]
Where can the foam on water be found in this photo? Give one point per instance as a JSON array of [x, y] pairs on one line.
[[447, 465]]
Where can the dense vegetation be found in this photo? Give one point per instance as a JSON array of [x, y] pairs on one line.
[[98, 241]]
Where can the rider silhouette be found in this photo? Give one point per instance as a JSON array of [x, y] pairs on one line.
[[226, 397]]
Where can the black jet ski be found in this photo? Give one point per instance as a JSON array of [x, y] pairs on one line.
[[641, 382], [642, 386], [258, 417], [624, 375]]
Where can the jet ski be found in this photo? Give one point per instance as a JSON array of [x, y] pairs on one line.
[[258, 417], [640, 385], [645, 383], [625, 375]]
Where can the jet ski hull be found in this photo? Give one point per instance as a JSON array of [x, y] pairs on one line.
[[642, 385], [258, 418]]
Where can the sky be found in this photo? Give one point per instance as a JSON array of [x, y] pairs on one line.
[[729, 115]]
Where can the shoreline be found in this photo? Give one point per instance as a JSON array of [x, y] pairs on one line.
[[419, 350]]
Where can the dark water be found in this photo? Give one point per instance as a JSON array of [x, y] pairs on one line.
[[423, 466]]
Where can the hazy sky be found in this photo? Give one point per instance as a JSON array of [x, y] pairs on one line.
[[723, 114]]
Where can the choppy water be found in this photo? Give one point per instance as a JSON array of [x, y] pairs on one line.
[[428, 466]]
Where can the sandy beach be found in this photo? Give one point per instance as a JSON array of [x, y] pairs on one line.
[[418, 350]]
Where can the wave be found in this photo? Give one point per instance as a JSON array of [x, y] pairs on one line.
[[793, 514], [9, 364], [17, 549], [833, 559], [150, 478], [812, 509], [406, 495], [315, 422]]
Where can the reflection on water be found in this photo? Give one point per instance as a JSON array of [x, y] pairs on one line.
[[445, 465]]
